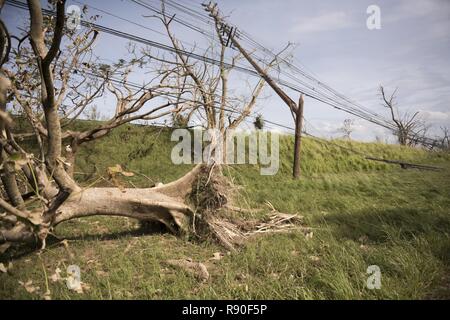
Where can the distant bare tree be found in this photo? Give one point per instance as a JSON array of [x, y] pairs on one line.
[[445, 139], [347, 128], [93, 113], [411, 128]]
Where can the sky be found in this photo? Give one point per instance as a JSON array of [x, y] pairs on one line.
[[410, 52]]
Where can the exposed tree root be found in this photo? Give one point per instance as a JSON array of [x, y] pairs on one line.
[[212, 194], [233, 232]]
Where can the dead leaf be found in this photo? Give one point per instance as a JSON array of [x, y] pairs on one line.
[[3, 268], [66, 246], [127, 174], [47, 295], [100, 273], [241, 276], [118, 169], [4, 247], [35, 218], [29, 286], [56, 276], [309, 235], [196, 268], [217, 256], [78, 289]]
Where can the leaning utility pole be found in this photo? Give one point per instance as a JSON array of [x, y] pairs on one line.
[[298, 117], [296, 110]]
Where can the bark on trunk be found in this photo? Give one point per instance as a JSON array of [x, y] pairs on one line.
[[298, 138], [164, 204], [10, 183], [140, 204]]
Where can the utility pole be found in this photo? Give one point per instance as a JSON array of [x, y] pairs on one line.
[[298, 137], [296, 110]]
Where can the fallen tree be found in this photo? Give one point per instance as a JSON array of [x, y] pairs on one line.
[[57, 197]]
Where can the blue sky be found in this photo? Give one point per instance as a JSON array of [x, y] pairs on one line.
[[411, 51]]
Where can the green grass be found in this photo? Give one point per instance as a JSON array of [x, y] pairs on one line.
[[362, 213]]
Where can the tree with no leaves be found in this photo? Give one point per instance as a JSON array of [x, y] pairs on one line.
[[56, 196], [80, 78], [347, 128], [210, 84], [410, 128], [445, 138]]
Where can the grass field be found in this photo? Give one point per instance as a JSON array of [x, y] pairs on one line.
[[361, 213]]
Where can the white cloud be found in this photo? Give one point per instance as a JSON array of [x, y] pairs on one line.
[[436, 116], [407, 9], [325, 22]]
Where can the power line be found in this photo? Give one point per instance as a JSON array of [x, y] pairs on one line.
[[311, 92], [364, 114]]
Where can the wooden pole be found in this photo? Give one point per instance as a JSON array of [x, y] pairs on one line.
[[296, 110], [298, 138]]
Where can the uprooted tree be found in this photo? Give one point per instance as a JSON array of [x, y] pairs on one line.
[[56, 196]]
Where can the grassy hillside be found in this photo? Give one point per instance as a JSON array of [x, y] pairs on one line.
[[362, 213]]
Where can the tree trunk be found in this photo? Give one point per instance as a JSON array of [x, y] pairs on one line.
[[140, 204], [10, 183], [164, 204]]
